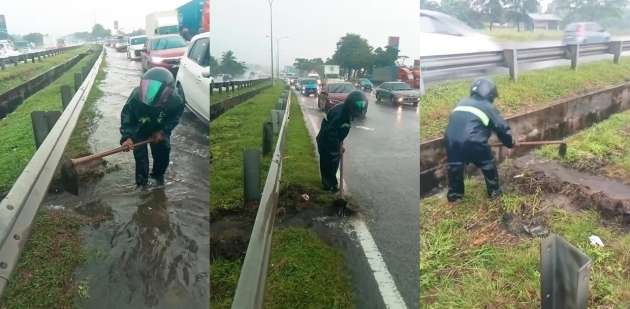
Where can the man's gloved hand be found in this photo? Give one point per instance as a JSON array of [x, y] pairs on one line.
[[128, 144], [158, 137]]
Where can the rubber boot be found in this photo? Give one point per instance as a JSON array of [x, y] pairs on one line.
[[455, 182], [491, 175]]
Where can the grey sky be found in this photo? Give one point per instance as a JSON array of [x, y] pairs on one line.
[[60, 17], [313, 27]]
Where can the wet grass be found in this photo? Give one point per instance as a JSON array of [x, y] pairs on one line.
[[223, 280], [17, 144], [534, 89], [44, 274], [512, 35], [220, 97], [469, 260], [238, 129], [13, 76], [602, 149]]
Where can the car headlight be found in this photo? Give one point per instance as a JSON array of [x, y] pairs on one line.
[[156, 59], [303, 88], [400, 99]]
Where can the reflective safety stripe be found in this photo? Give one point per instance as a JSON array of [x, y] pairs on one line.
[[475, 111]]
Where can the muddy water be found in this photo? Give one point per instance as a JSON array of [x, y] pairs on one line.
[[152, 250]]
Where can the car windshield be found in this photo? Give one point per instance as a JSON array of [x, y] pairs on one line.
[[137, 41], [398, 86], [309, 82], [365, 82], [340, 88], [167, 43]]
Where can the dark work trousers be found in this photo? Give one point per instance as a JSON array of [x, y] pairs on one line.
[[161, 158], [329, 156], [459, 156]]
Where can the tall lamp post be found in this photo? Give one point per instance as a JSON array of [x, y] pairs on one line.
[[278, 54], [271, 37]]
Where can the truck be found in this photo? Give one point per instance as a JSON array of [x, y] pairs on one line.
[[331, 72], [396, 73], [194, 18], [162, 22]]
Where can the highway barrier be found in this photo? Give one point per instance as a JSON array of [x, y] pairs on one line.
[[511, 58], [233, 86], [24, 58], [250, 290], [230, 94], [18, 208]]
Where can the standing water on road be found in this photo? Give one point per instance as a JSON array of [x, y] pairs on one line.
[[152, 251]]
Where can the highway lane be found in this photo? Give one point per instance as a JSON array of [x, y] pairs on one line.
[[381, 172]]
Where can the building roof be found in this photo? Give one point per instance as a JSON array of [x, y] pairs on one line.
[[543, 17]]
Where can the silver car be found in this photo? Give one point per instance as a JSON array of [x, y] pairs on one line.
[[584, 33]]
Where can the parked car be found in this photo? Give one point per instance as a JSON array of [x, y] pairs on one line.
[[584, 33], [441, 34], [120, 44], [193, 77], [164, 51], [309, 86], [397, 93], [365, 84], [333, 94], [136, 46]]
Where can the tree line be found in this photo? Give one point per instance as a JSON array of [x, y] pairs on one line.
[[227, 64], [477, 13]]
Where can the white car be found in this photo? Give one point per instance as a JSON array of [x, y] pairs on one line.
[[193, 76], [135, 46], [441, 34], [7, 49]]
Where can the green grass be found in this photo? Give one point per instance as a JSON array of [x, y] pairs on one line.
[[17, 145], [217, 97], [236, 130], [512, 35], [534, 89], [601, 149], [223, 280], [13, 76], [306, 273], [44, 274], [467, 260]]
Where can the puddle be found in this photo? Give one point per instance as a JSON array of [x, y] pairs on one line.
[[151, 248]]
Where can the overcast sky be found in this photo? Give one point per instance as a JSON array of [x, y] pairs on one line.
[[313, 27], [60, 17]]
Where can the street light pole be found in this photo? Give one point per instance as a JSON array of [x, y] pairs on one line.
[[278, 54], [271, 37]]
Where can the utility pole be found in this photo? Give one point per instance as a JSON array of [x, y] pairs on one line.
[[271, 37], [278, 54]]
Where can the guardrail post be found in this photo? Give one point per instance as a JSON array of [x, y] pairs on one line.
[[2, 64], [574, 55], [276, 119], [251, 176], [78, 79], [564, 275], [84, 72], [267, 138], [66, 95], [42, 123], [511, 61], [616, 48]]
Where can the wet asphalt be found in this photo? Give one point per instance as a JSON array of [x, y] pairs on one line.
[[381, 172], [152, 251]]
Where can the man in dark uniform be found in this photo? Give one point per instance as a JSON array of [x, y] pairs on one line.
[[151, 112], [470, 125], [334, 129]]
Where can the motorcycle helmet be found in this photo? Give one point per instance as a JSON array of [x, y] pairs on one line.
[[156, 86], [484, 89]]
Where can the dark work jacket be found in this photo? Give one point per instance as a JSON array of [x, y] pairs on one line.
[[334, 128], [139, 121], [467, 128]]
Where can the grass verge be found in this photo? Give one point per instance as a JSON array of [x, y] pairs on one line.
[[236, 130], [13, 76], [534, 89], [512, 35], [469, 260], [219, 97], [601, 149], [44, 275], [17, 144]]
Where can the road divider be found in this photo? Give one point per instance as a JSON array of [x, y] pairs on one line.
[[226, 95], [24, 58]]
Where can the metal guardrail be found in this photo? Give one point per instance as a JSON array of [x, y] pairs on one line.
[[18, 208], [250, 290], [510, 58], [34, 55], [232, 86]]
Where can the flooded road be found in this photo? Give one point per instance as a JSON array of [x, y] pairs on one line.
[[152, 248]]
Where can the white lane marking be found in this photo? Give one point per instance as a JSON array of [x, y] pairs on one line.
[[384, 280], [364, 128]]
